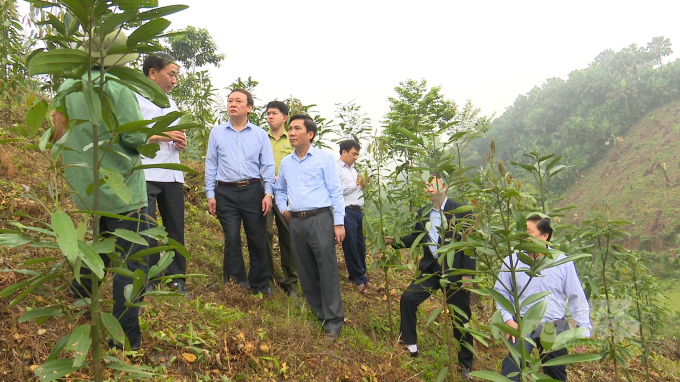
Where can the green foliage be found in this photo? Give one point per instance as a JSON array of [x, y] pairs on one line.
[[13, 50], [194, 47], [354, 124], [580, 118]]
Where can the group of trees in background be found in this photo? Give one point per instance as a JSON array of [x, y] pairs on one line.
[[582, 117]]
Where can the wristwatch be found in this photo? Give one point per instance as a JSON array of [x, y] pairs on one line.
[[270, 194]]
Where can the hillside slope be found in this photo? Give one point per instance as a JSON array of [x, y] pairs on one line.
[[638, 180]]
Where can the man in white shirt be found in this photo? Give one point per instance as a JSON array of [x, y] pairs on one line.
[[354, 246], [564, 285], [165, 187]]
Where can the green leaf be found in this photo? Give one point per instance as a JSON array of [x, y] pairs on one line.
[[137, 371], [116, 183], [110, 215], [434, 315], [57, 61], [179, 248], [79, 342], [149, 150], [40, 313], [9, 140], [533, 298], [520, 221], [548, 336], [92, 259], [163, 263], [572, 358], [62, 225], [463, 209], [139, 83], [441, 377], [53, 370], [489, 376], [502, 301], [35, 116], [44, 140], [532, 318], [168, 166], [148, 31], [92, 103], [130, 236], [531, 247], [14, 240], [113, 327], [105, 246], [160, 12], [139, 255], [57, 348]]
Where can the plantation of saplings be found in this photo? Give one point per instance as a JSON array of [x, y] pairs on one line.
[[600, 163]]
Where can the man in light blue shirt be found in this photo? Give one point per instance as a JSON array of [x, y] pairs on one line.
[[563, 283], [239, 179], [307, 186]]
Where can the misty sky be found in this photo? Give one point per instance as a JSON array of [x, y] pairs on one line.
[[325, 52]]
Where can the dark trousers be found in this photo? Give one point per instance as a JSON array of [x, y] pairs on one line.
[[236, 205], [555, 372], [313, 241], [354, 246], [170, 198], [416, 294], [290, 275], [128, 317]]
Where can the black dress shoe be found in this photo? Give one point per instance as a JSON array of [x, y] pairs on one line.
[[292, 293], [266, 292], [465, 374], [412, 354], [332, 335], [179, 287]]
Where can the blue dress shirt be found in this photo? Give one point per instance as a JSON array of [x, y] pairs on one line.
[[238, 155], [563, 283], [309, 183]]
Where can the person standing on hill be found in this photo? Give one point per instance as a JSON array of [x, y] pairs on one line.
[[239, 180], [307, 187], [165, 187], [354, 246], [431, 220], [80, 177], [563, 284], [277, 115]]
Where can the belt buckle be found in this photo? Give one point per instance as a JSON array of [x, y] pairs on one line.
[[302, 214], [241, 183]]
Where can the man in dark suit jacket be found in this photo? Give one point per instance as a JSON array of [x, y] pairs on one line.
[[431, 270]]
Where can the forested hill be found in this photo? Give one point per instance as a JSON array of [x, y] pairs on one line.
[[580, 118], [638, 179]]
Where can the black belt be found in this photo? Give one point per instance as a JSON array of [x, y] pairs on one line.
[[310, 213], [240, 183], [358, 208]]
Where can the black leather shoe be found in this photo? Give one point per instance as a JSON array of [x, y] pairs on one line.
[[412, 354], [465, 374], [266, 292], [332, 335], [179, 287], [292, 293]]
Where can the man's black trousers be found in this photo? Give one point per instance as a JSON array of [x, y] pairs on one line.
[[416, 294], [555, 372], [128, 317], [243, 204], [354, 246], [170, 198]]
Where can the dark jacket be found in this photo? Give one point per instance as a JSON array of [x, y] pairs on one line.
[[428, 264]]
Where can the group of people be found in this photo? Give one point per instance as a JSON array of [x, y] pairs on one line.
[[257, 178]]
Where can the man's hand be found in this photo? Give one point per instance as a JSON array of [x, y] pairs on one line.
[[581, 349], [362, 181], [286, 214], [180, 146], [389, 240], [266, 204], [511, 323], [212, 206], [339, 231], [467, 285]]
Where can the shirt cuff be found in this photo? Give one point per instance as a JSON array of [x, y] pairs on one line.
[[210, 194], [507, 316], [587, 333], [338, 219]]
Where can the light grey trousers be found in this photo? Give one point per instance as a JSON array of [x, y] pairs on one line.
[[313, 242]]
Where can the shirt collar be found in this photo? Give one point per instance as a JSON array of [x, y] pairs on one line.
[[441, 207], [231, 126], [342, 163], [311, 151], [284, 134]]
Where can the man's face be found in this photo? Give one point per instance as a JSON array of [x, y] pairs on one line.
[[533, 231], [275, 118], [349, 157], [237, 105], [298, 134], [434, 189], [166, 78]]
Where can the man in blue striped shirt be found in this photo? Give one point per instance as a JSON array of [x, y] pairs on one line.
[[564, 285], [307, 186], [239, 181]]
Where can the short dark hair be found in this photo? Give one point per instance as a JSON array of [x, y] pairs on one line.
[[348, 145], [157, 61], [308, 122], [542, 225], [278, 105], [249, 96]]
